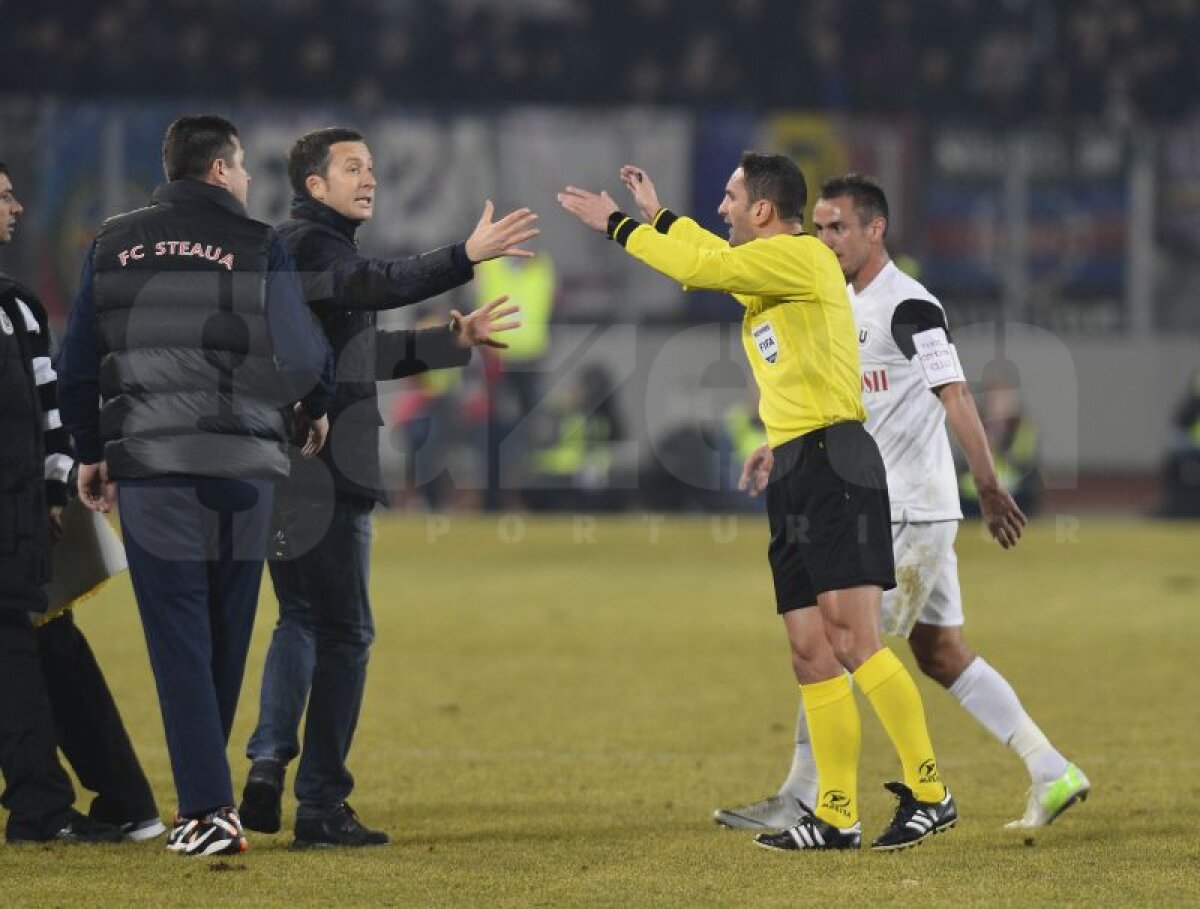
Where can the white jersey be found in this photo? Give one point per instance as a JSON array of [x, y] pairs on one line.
[[906, 351]]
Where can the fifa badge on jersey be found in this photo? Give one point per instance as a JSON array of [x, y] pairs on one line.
[[6, 323], [766, 342]]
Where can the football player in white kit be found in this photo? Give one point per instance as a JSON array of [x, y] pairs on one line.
[[913, 385]]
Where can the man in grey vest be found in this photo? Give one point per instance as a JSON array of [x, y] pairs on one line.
[[187, 346]]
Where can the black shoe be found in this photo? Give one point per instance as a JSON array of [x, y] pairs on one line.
[[812, 833], [262, 798], [79, 829], [915, 820], [341, 828]]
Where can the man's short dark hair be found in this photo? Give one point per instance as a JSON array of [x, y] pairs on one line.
[[192, 144], [310, 154], [4, 169], [870, 202], [777, 179]]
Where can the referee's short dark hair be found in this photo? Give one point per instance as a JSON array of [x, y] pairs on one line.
[[310, 154], [777, 179], [870, 201], [192, 144]]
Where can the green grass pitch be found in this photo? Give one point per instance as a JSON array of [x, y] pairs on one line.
[[555, 707]]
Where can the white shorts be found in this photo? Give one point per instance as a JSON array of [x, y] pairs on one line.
[[926, 588]]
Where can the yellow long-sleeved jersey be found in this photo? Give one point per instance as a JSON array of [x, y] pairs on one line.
[[798, 329]]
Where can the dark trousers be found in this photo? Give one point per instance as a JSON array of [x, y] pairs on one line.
[[37, 792], [89, 728], [324, 632], [196, 547]]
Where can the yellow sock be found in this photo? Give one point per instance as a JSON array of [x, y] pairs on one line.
[[836, 732], [893, 694]]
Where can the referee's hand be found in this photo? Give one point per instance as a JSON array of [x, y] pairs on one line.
[[591, 208], [756, 472], [639, 184]]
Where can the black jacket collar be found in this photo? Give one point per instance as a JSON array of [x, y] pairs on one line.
[[189, 190], [311, 210]]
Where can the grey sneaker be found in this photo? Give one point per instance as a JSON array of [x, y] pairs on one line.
[[777, 812], [140, 831]]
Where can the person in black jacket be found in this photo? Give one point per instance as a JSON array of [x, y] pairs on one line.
[[187, 345], [33, 469], [325, 627]]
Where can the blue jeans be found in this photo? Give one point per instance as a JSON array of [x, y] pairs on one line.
[[319, 652]]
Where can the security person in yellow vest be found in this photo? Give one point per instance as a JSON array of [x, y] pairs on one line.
[[1013, 439], [530, 284], [744, 432], [573, 469], [1182, 470]]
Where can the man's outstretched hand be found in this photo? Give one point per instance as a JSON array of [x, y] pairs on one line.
[[642, 187], [480, 327], [591, 208], [493, 239]]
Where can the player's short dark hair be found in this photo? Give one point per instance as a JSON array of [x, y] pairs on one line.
[[870, 201], [310, 154], [192, 144], [777, 179]]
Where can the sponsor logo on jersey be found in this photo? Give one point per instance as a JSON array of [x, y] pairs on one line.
[[862, 336], [766, 342], [874, 380]]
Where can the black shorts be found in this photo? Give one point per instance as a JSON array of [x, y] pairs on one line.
[[830, 518]]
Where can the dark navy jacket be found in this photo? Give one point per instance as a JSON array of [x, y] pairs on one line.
[[346, 291]]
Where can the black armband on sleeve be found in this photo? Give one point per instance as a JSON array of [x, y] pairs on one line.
[[620, 226], [664, 219], [913, 317]]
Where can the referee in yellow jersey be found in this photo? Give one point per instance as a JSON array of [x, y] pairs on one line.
[[827, 503]]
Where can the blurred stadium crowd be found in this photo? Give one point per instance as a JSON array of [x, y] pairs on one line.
[[1115, 61]]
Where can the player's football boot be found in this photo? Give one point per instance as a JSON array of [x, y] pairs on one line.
[[777, 812], [1048, 800], [913, 820], [812, 833]]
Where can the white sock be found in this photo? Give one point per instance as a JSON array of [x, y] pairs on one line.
[[989, 698], [801, 782]]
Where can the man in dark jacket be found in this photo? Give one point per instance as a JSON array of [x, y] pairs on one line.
[[190, 328], [33, 471], [325, 625]]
